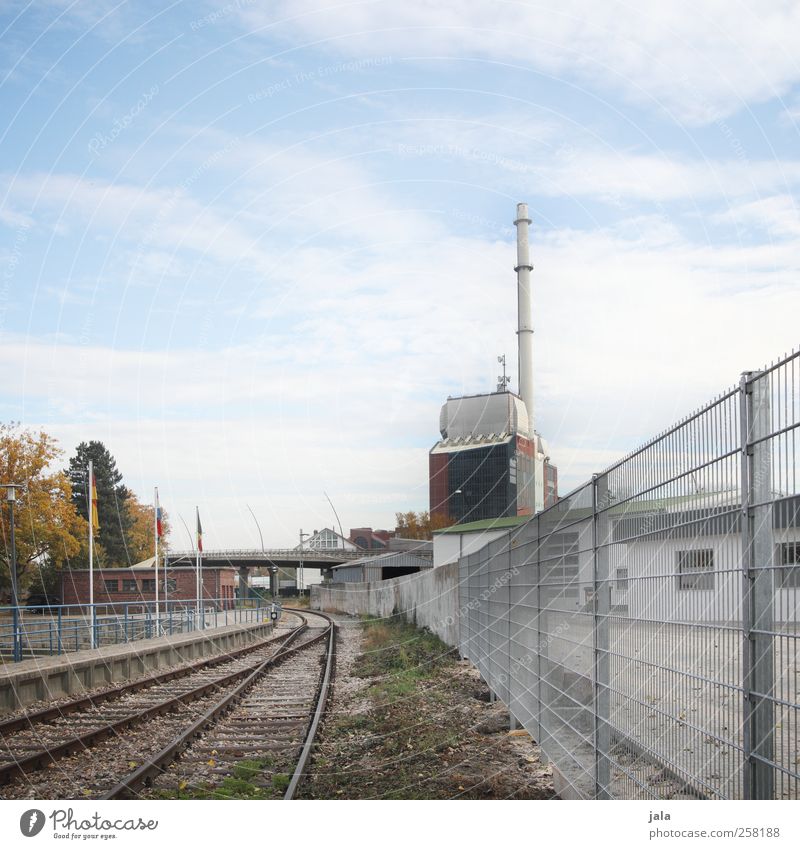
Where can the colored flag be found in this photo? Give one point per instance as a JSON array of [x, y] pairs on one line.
[[159, 526], [95, 519], [199, 533]]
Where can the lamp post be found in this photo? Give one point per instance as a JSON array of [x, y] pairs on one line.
[[189, 536], [273, 569], [11, 497], [338, 520], [300, 569], [462, 504]]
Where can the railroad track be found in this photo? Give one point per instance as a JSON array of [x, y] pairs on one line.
[[255, 740], [82, 748], [37, 740]]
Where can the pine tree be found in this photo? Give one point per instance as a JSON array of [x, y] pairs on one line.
[[112, 500]]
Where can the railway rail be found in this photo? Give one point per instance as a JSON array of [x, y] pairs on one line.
[[249, 705]]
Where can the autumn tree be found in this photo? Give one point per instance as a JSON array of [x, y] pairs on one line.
[[47, 528], [140, 535], [420, 525], [112, 502]]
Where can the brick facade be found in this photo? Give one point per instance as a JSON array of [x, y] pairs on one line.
[[368, 539], [121, 586]]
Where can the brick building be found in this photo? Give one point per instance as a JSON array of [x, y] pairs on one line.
[[129, 584], [368, 539]]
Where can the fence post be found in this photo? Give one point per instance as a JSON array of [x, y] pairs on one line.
[[15, 635], [757, 561], [600, 632], [537, 607]]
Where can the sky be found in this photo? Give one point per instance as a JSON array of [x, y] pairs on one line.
[[252, 247]]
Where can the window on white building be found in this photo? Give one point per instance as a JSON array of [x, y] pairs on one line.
[[622, 579], [696, 569], [788, 558]]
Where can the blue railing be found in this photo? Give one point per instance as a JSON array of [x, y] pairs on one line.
[[39, 631]]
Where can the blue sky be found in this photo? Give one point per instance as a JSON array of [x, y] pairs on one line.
[[252, 247]]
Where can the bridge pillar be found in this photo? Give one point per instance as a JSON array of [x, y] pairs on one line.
[[244, 586]]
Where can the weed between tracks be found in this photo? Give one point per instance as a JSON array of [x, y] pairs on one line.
[[251, 779], [417, 731]]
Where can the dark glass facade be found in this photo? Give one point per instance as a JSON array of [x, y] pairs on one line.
[[479, 481], [489, 481]]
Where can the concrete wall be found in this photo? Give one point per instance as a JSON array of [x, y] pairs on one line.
[[428, 599]]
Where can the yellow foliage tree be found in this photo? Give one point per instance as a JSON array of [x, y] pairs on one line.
[[420, 525], [47, 528]]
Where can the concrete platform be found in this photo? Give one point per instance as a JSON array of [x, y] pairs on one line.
[[30, 681]]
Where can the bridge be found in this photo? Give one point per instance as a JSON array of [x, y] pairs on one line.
[[284, 558]]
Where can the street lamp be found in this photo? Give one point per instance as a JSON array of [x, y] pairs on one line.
[[273, 569], [300, 569], [338, 520], [257, 525], [463, 504], [11, 497]]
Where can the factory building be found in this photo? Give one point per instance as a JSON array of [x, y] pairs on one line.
[[491, 462], [380, 567]]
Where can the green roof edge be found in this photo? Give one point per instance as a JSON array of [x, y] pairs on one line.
[[498, 524]]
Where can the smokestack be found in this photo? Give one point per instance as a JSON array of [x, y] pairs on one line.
[[524, 325]]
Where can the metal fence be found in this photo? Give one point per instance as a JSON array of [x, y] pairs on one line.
[[59, 629], [644, 629]]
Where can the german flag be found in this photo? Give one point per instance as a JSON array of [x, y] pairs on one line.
[[95, 519]]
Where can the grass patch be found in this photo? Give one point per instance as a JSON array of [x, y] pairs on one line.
[[393, 646], [239, 785], [280, 781], [248, 769], [404, 666]]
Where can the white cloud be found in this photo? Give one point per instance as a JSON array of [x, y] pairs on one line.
[[567, 162], [221, 465], [700, 60], [777, 217], [634, 328]]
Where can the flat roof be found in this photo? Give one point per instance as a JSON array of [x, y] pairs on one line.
[[485, 525]]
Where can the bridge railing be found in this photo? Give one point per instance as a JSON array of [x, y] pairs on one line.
[[332, 554]]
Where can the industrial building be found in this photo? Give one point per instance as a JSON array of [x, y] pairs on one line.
[[451, 544], [491, 462], [380, 567]]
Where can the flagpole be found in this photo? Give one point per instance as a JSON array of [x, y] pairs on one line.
[[91, 550], [155, 537], [197, 566]]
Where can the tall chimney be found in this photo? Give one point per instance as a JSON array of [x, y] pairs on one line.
[[524, 325]]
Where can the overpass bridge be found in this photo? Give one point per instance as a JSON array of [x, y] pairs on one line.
[[283, 559]]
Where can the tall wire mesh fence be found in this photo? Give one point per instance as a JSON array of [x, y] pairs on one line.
[[644, 629]]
